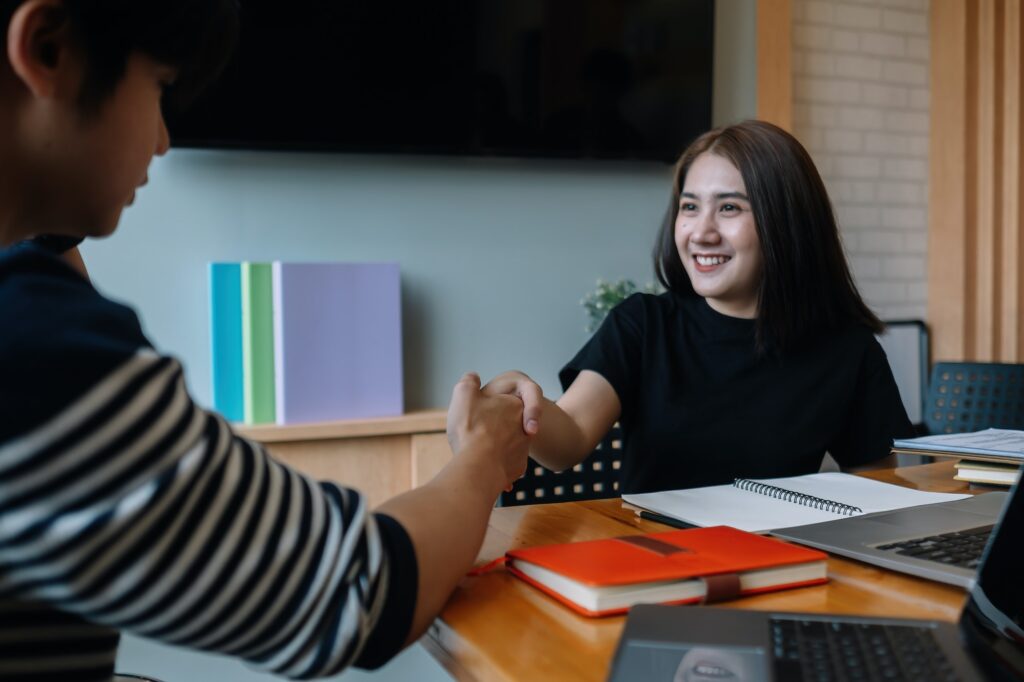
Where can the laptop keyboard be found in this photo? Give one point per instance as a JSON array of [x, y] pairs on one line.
[[823, 651], [962, 548]]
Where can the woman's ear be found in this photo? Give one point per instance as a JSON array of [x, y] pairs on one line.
[[39, 47]]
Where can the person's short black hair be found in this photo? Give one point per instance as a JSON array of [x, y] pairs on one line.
[[196, 37], [806, 285]]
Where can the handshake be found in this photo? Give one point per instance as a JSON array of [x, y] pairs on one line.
[[491, 427]]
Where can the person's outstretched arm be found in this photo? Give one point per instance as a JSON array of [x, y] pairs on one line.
[[126, 506], [564, 433], [446, 518]]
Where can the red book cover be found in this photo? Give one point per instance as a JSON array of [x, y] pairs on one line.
[[603, 577]]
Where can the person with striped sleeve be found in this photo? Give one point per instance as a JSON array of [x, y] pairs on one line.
[[123, 504]]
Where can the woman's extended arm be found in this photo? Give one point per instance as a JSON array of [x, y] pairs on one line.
[[567, 431]]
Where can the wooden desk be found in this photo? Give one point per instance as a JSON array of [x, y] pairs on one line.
[[496, 627]]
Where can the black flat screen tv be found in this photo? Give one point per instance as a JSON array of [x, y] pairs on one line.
[[617, 79]]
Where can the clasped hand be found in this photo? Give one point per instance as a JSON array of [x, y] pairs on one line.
[[497, 421]]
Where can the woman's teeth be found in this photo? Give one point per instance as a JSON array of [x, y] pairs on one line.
[[711, 260]]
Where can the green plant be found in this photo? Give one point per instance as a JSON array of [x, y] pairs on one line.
[[606, 296]]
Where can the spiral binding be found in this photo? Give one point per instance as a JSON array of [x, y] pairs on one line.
[[797, 498]]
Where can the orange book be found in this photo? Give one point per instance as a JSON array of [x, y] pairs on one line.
[[604, 577]]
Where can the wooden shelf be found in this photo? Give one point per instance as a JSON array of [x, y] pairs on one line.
[[425, 421]]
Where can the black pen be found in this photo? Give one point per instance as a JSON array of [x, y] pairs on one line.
[[667, 520]]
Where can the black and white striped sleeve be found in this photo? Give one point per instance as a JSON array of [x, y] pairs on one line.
[[125, 503]]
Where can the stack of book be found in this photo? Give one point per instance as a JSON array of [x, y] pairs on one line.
[[991, 456], [989, 473], [305, 342]]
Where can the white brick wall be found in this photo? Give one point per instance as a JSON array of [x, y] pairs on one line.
[[860, 90]]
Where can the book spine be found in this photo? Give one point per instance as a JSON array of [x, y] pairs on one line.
[[277, 285], [226, 339], [258, 343], [797, 498]]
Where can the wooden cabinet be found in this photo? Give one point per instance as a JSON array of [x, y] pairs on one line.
[[379, 457]]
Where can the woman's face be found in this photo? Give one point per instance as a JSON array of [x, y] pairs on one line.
[[717, 238]]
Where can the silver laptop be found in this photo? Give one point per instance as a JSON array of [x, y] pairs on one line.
[[941, 541], [696, 643]]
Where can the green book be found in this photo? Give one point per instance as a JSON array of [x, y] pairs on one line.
[[258, 343]]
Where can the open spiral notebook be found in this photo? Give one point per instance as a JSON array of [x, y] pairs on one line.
[[762, 505]]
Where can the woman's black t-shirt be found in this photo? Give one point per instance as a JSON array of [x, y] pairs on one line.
[[700, 406]]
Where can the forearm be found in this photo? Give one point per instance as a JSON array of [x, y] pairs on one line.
[[560, 443], [446, 520]]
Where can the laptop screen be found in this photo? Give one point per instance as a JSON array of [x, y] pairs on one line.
[[993, 620]]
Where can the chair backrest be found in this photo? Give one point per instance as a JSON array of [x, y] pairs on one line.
[[969, 396], [905, 343], [594, 478]]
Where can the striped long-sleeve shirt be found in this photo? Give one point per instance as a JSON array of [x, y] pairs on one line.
[[124, 506]]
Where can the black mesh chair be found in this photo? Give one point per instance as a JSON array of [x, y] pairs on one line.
[[594, 478], [970, 396]]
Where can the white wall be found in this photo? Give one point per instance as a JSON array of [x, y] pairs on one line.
[[861, 101], [495, 254]]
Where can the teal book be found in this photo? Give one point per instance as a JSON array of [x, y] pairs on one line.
[[226, 339], [258, 343]]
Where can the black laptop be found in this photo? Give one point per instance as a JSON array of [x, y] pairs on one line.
[[706, 644]]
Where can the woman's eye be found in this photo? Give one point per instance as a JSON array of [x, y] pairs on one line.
[[730, 208], [688, 207]]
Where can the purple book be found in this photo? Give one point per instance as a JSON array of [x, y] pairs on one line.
[[337, 341]]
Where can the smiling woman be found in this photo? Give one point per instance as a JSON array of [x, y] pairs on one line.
[[760, 357]]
